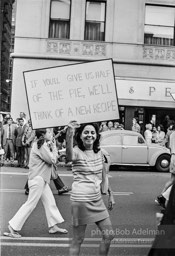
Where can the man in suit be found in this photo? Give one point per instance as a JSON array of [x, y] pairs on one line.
[[27, 140], [19, 146], [8, 139]]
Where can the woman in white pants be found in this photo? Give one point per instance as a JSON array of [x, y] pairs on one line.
[[43, 156]]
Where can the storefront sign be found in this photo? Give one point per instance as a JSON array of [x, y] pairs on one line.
[[84, 92], [173, 96], [145, 90]]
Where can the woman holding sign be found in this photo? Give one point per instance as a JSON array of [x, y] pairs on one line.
[[86, 203], [42, 158]]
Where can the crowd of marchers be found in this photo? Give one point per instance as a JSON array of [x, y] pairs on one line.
[[153, 133], [16, 137], [15, 140]]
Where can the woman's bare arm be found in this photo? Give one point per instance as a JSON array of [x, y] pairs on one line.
[[69, 144], [69, 139]]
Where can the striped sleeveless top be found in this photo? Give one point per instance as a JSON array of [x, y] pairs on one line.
[[87, 175]]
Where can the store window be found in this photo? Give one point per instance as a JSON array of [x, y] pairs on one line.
[[60, 19], [95, 20], [159, 25]]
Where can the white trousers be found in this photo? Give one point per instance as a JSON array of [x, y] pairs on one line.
[[38, 188]]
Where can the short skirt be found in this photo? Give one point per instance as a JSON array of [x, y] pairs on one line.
[[88, 212]]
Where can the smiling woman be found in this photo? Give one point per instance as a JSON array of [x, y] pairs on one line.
[[87, 138], [86, 201]]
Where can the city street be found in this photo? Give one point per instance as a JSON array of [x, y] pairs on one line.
[[99, 75], [133, 216]]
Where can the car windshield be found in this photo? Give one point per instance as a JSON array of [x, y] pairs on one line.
[[112, 139], [132, 140]]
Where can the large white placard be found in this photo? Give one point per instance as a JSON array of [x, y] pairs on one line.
[[85, 92]]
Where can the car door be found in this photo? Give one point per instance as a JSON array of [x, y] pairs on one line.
[[134, 150], [113, 144]]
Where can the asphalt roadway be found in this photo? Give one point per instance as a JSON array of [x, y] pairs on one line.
[[133, 216]]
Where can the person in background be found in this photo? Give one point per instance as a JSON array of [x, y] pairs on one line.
[[110, 126], [116, 124], [148, 133], [59, 184], [19, 146], [154, 134], [167, 136], [160, 199], [135, 125], [27, 139], [167, 122], [103, 127], [120, 127], [57, 131], [43, 157], [8, 140], [7, 116], [60, 136], [86, 202], [160, 135], [141, 127], [23, 116]]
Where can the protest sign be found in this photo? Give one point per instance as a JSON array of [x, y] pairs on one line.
[[85, 92]]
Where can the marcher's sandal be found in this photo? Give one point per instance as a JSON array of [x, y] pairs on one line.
[[12, 233], [56, 229]]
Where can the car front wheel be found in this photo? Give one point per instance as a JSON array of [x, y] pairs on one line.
[[162, 163]]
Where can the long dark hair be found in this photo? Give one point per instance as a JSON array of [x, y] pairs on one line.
[[78, 132], [40, 136]]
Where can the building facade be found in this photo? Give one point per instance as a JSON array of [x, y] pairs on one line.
[[5, 48], [137, 35]]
